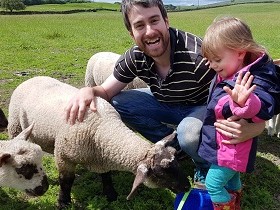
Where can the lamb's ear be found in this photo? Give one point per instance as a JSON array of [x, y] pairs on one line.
[[26, 132], [4, 158], [140, 177], [167, 140]]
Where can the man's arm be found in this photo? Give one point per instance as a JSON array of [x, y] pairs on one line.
[[77, 106]]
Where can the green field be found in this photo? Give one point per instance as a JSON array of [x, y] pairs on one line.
[[60, 46]]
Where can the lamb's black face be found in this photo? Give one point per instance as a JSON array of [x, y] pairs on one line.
[[166, 173], [29, 171], [39, 190]]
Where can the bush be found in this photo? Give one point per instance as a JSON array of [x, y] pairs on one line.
[[12, 5]]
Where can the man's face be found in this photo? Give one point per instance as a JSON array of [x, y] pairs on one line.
[[149, 30]]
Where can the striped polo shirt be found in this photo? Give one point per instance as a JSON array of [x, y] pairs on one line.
[[188, 79]]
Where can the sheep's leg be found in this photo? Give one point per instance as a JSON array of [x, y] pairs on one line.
[[14, 128], [3, 121], [277, 125], [108, 187], [271, 126], [65, 181]]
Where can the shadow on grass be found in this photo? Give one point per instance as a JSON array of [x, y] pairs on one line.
[[261, 188], [269, 145], [87, 192], [12, 199]]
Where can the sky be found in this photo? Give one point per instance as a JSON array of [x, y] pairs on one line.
[[176, 2]]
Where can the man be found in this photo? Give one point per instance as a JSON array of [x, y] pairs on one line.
[[170, 62]]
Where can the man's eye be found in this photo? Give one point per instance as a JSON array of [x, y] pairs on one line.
[[155, 21], [139, 27]]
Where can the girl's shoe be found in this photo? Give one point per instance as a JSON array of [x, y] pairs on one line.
[[226, 206]]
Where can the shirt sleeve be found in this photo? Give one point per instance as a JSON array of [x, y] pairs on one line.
[[125, 68], [251, 108]]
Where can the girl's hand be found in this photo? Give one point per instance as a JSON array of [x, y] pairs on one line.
[[242, 89]]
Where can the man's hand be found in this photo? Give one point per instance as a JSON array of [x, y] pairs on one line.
[[238, 130], [77, 106]]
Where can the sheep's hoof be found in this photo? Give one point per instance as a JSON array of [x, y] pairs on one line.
[[111, 195], [62, 205]]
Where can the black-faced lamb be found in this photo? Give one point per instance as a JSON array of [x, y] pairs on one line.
[[101, 143], [20, 165], [101, 65], [3, 121]]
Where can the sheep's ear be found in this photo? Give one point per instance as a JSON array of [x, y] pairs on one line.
[[172, 150], [4, 158], [140, 177], [26, 132], [165, 163], [167, 140]]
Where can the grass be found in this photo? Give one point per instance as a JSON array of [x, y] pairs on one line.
[[60, 45]]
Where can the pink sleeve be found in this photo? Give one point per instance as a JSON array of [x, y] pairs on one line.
[[251, 108]]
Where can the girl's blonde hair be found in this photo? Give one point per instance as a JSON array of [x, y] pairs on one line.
[[231, 33]]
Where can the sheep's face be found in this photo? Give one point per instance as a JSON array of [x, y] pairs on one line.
[[165, 171], [160, 169], [21, 168]]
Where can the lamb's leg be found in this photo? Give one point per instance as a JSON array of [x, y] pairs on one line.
[[66, 180], [277, 125], [271, 126], [3, 121], [14, 128], [108, 187]]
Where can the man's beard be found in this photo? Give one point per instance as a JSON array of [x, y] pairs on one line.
[[159, 51]]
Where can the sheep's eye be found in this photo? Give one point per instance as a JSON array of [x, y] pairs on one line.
[[27, 170], [21, 151]]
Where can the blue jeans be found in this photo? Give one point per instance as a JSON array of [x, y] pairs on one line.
[[219, 180], [141, 111]]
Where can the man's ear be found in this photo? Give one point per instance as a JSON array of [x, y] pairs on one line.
[[131, 34], [167, 22]]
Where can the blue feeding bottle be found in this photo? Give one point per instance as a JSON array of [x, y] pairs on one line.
[[195, 199]]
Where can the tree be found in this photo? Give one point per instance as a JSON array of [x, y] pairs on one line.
[[12, 5]]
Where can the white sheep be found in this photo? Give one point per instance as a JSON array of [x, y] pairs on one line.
[[102, 142], [273, 125], [20, 165], [101, 65]]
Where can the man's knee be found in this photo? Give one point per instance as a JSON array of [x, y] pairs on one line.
[[189, 130]]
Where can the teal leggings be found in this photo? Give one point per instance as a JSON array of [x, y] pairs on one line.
[[219, 180]]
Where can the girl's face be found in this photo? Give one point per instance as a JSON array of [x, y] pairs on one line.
[[149, 30], [227, 62]]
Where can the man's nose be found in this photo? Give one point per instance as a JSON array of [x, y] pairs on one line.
[[149, 29]]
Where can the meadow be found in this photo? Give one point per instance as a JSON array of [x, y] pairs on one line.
[[60, 45]]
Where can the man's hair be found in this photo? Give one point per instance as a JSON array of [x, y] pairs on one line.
[[128, 4]]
